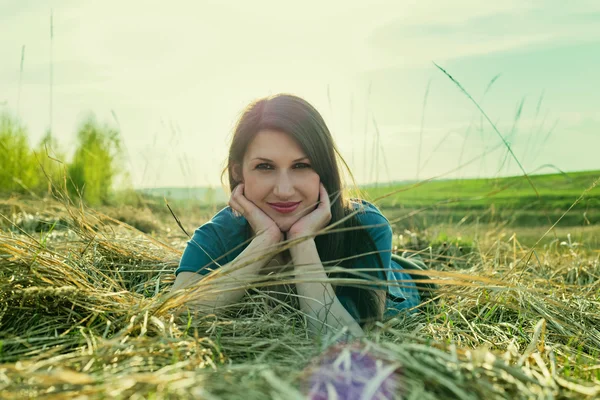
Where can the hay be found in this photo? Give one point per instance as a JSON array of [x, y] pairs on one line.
[[87, 313]]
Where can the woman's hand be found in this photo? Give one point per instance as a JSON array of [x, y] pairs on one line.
[[316, 220], [260, 222]]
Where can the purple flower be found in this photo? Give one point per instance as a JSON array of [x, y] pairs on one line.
[[349, 372]]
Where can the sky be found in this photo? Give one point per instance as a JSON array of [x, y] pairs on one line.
[[175, 76]]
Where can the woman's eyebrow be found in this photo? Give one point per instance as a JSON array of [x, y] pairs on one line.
[[266, 159]]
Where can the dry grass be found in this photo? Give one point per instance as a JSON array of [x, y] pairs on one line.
[[85, 312]]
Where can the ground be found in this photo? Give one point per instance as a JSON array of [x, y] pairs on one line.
[[86, 312]]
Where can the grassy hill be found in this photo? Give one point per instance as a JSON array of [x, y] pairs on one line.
[[510, 200], [555, 191]]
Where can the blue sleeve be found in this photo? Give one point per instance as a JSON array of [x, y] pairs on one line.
[[401, 290], [378, 227], [211, 245]]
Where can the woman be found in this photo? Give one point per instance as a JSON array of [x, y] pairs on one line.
[[286, 188]]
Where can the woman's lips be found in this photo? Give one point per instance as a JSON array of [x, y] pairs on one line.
[[284, 208]]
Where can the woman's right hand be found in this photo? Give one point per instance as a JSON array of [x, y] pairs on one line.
[[260, 222]]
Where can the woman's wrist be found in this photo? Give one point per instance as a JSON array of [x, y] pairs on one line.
[[270, 237], [297, 235], [299, 250], [302, 240]]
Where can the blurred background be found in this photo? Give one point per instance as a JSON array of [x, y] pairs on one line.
[[144, 96]]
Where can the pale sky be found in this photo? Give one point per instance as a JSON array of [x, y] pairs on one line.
[[178, 73]]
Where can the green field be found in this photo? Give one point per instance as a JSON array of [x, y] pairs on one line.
[[554, 190], [511, 200]]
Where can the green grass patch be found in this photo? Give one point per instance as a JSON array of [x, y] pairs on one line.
[[509, 200]]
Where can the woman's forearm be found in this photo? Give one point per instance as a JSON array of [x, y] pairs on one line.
[[226, 285], [317, 298]]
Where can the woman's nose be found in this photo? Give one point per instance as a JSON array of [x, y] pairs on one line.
[[284, 187]]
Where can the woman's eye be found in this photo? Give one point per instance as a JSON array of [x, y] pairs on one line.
[[301, 165], [263, 166]]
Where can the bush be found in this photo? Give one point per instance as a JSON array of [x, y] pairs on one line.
[[95, 162], [18, 172]]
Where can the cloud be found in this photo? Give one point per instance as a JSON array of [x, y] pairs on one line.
[[420, 40], [14, 9]]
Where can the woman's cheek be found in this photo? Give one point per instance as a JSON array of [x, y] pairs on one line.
[[253, 188]]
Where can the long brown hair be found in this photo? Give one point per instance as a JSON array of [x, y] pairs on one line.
[[299, 119]]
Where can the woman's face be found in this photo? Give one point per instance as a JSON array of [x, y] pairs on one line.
[[279, 179]]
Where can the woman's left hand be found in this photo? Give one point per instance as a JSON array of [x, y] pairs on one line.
[[316, 220]]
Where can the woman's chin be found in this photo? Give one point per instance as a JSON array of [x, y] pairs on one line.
[[286, 223]]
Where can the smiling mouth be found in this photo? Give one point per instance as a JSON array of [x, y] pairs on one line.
[[284, 208]]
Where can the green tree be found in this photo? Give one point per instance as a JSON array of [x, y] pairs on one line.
[[94, 164], [18, 172]]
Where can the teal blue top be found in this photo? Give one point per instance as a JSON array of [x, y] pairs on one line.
[[224, 237]]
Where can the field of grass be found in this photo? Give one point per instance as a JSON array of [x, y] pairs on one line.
[[511, 201], [85, 312], [555, 191]]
